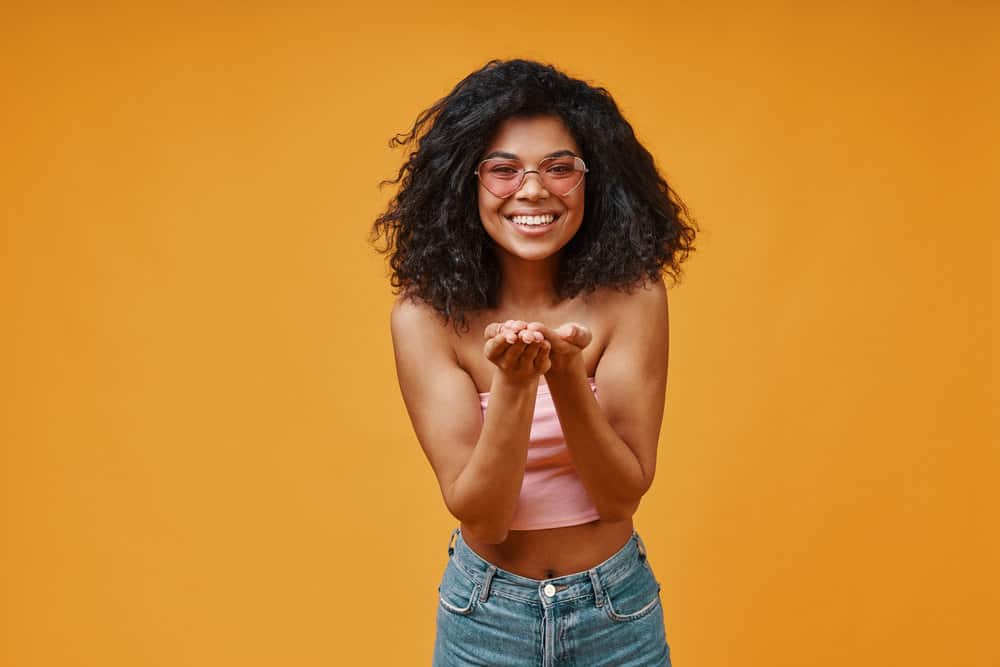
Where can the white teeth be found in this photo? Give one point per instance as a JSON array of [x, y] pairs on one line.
[[532, 219]]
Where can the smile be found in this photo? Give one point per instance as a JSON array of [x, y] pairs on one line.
[[533, 220]]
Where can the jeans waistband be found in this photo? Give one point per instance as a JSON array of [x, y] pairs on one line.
[[592, 581]]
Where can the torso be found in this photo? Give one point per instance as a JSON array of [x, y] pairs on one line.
[[553, 552]]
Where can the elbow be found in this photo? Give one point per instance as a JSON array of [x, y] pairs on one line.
[[486, 530], [483, 530], [618, 510], [621, 502], [484, 533], [624, 505]]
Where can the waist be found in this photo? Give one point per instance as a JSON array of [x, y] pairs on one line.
[[554, 552], [613, 569]]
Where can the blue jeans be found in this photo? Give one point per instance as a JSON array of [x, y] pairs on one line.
[[609, 615]]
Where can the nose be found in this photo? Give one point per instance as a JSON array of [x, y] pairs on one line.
[[532, 188]]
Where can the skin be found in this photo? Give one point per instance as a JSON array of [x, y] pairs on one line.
[[532, 337]]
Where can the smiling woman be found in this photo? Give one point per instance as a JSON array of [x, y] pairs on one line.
[[531, 217], [527, 242]]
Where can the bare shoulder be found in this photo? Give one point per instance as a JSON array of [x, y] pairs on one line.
[[416, 320], [408, 312], [638, 303]]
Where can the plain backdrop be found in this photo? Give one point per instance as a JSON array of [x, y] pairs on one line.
[[206, 460]]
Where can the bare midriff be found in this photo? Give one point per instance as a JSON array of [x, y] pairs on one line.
[[555, 552]]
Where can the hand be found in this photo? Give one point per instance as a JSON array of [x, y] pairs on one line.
[[567, 341], [517, 352]]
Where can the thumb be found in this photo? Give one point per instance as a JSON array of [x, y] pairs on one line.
[[574, 333]]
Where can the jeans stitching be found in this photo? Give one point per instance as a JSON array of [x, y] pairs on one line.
[[468, 609], [636, 615]]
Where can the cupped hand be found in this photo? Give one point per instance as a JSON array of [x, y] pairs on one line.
[[567, 342], [516, 351]]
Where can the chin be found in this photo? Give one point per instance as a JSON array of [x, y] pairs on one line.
[[533, 255], [528, 248], [532, 252]]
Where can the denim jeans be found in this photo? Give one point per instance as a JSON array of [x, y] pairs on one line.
[[609, 615]]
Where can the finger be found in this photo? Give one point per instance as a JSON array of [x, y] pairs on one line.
[[542, 361], [574, 333], [544, 365], [530, 336], [531, 352], [511, 325], [495, 348], [512, 354], [492, 329], [547, 333], [565, 330], [582, 336]]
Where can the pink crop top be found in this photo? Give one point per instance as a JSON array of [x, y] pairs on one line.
[[551, 492]]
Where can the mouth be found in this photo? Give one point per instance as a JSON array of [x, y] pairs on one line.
[[532, 222]]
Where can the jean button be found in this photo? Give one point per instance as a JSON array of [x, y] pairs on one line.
[[550, 590]]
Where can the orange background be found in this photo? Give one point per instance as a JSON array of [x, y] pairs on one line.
[[206, 460]]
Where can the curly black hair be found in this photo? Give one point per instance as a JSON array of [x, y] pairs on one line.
[[634, 228]]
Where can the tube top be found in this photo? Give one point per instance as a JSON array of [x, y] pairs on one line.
[[552, 494]]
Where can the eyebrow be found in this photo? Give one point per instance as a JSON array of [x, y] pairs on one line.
[[512, 156]]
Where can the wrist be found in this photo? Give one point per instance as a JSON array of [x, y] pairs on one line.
[[502, 380], [570, 366]]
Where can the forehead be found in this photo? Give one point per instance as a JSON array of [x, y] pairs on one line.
[[532, 137]]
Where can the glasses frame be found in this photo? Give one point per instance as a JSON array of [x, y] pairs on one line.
[[577, 160]]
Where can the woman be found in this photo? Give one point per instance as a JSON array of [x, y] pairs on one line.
[[527, 241]]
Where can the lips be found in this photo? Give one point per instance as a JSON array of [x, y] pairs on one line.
[[532, 226], [532, 220], [531, 212]]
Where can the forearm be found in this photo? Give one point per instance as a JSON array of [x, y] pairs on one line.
[[484, 495], [609, 471]]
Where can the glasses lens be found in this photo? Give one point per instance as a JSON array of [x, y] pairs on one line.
[[501, 177], [561, 175]]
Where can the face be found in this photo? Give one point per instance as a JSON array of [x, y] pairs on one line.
[[533, 223]]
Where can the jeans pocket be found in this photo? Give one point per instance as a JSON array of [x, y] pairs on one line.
[[458, 594], [634, 597]]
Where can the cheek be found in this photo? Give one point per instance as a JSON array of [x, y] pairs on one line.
[[489, 218], [487, 206]]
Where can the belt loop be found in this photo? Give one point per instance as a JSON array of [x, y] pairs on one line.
[[641, 545], [598, 589], [487, 580], [451, 541]]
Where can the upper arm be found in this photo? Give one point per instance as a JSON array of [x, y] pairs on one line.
[[441, 398], [632, 373]]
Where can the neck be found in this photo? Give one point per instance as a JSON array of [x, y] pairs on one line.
[[528, 284]]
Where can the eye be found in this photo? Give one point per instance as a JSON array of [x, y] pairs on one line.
[[560, 169], [501, 170]]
